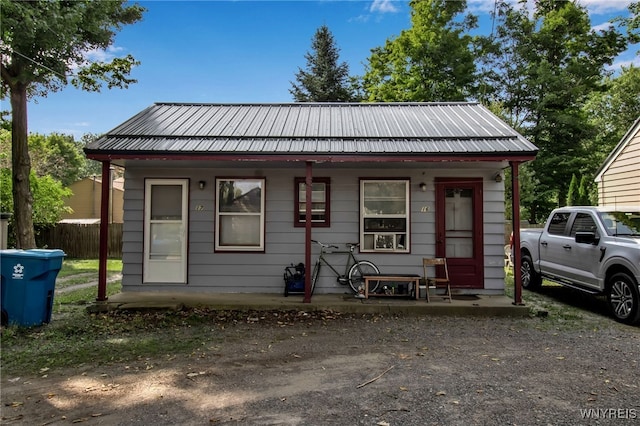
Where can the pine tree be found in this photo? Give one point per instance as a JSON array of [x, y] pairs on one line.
[[325, 79], [583, 191], [572, 195]]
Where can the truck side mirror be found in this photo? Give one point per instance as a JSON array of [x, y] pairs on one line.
[[587, 238]]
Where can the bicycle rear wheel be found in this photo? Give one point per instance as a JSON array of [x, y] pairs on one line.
[[360, 269]]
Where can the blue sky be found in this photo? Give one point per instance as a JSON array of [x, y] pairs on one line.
[[238, 51]]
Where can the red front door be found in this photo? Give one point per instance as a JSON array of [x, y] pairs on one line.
[[459, 231]]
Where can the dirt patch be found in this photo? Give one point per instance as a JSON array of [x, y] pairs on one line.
[[348, 370]]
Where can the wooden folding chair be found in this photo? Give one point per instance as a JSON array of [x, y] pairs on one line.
[[437, 282]]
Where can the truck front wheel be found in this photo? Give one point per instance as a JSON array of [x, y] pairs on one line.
[[623, 298], [531, 280]]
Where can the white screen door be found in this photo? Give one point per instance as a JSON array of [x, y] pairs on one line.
[[165, 228]]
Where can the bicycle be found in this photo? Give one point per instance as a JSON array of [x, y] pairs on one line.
[[354, 269]]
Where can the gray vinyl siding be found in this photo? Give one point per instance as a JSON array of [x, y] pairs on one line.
[[247, 272]]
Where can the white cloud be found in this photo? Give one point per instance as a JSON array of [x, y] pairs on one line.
[[617, 66], [599, 7], [360, 18], [99, 55], [602, 27], [596, 7], [383, 6]]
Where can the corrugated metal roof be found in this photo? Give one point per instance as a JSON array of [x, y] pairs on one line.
[[314, 128]]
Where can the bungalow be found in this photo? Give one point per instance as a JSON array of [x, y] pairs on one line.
[[618, 178], [222, 197]]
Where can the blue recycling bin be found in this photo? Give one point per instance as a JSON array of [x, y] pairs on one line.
[[28, 285]]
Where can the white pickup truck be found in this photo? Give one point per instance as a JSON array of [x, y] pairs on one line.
[[591, 249]]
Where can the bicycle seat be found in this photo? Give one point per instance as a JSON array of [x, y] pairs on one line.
[[352, 246]]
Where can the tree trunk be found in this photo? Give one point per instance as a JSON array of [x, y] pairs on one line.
[[21, 164]]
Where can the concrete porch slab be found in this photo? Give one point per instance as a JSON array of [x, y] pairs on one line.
[[345, 303]]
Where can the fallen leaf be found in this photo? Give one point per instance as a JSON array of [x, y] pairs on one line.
[[560, 357], [402, 388], [441, 393]]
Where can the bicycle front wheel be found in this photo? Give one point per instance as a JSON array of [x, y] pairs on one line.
[[314, 275], [360, 269]]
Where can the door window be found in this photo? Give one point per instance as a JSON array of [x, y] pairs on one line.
[[459, 222]]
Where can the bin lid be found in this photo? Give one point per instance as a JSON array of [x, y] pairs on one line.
[[32, 253]]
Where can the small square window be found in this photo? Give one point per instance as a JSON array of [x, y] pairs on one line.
[[320, 202]]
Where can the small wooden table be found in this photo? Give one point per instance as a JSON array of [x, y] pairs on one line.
[[406, 278]]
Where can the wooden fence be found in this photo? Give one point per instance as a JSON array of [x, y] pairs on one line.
[[81, 241]]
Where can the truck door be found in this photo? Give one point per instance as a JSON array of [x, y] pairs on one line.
[[585, 258], [555, 244]]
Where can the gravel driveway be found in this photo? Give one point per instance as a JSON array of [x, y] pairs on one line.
[[343, 370]]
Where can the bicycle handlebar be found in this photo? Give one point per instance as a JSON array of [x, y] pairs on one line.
[[351, 246]]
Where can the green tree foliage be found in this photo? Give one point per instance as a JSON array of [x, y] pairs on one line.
[[584, 191], [56, 155], [572, 196], [542, 70], [325, 79], [44, 46], [90, 167], [431, 61], [49, 199], [612, 112], [632, 24]]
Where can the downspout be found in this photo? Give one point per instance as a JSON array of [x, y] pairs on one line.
[[308, 184], [104, 233], [515, 209]]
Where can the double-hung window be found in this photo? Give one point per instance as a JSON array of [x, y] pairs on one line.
[[320, 206], [384, 215], [240, 214]]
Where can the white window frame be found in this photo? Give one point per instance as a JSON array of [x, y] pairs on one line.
[[173, 268], [227, 247], [377, 239]]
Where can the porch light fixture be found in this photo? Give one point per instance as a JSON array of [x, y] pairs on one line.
[[423, 187], [202, 184], [498, 177]]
